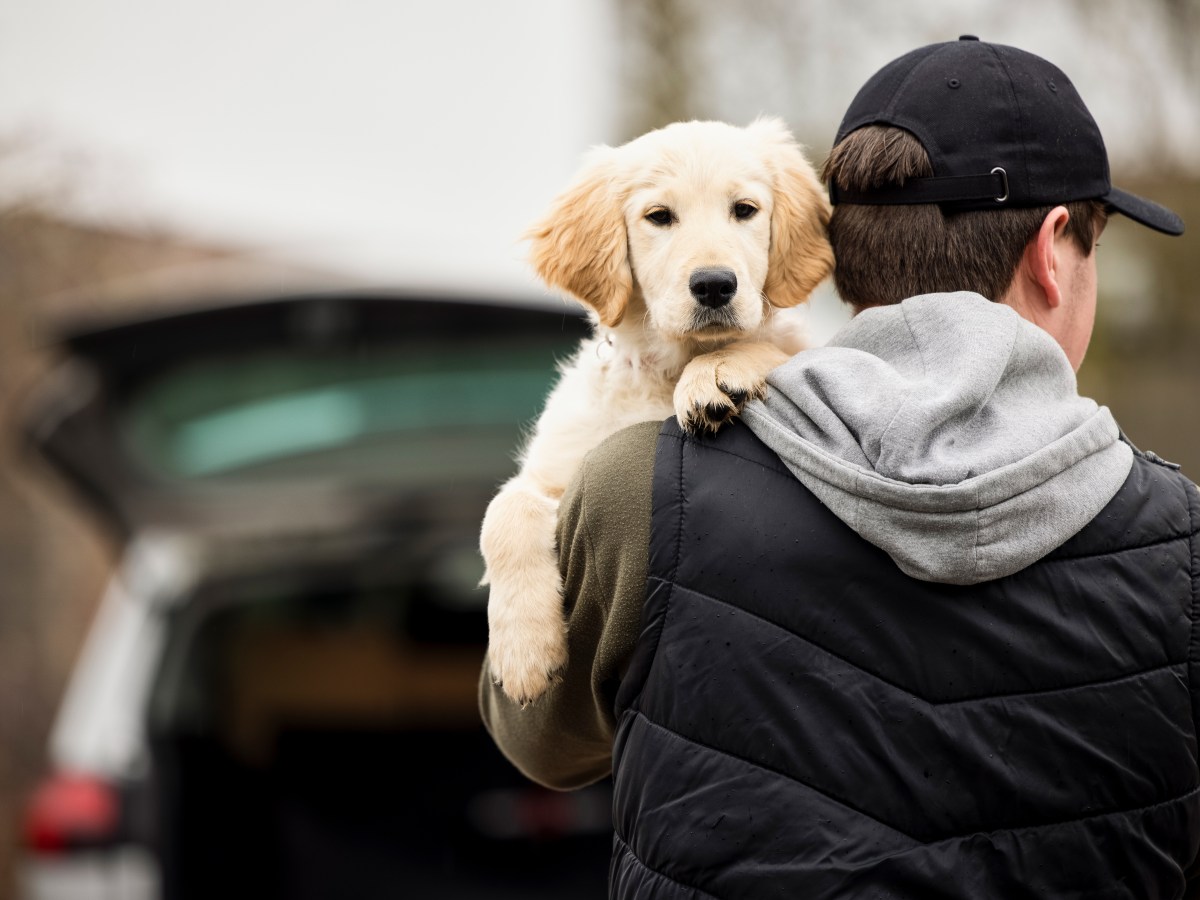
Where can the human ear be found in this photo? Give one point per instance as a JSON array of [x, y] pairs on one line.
[[1041, 255]]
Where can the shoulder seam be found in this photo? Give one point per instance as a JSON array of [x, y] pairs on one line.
[[1113, 551], [780, 469]]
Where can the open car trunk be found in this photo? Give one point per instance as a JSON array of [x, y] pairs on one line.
[[308, 720]]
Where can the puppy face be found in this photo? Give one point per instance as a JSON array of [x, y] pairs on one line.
[[698, 219], [706, 222]]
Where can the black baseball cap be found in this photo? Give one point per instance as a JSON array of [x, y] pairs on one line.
[[1002, 128]]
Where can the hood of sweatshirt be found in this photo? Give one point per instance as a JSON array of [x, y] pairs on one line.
[[948, 431]]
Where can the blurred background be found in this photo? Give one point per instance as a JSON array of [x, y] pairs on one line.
[[166, 160]]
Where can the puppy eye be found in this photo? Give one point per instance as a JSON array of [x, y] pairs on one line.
[[660, 216], [743, 211]]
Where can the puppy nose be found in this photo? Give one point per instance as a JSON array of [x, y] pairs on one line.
[[713, 287]]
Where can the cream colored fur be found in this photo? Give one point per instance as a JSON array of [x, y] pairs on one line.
[[655, 350]]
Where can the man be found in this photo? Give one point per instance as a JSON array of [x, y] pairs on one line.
[[921, 624]]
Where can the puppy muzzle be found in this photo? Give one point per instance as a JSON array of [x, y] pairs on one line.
[[718, 320]]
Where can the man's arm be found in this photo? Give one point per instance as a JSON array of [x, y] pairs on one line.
[[564, 739]]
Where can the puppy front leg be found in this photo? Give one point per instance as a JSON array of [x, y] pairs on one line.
[[715, 386], [527, 640]]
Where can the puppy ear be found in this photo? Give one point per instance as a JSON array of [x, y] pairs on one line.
[[581, 247], [800, 256]]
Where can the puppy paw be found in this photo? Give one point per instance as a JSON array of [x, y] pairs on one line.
[[527, 636], [711, 392], [527, 660]]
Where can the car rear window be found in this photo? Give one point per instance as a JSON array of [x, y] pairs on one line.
[[407, 413]]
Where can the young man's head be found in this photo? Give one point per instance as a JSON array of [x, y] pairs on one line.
[[967, 166]]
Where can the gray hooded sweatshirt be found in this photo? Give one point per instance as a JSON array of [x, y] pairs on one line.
[[947, 431]]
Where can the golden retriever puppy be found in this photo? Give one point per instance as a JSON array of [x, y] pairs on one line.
[[681, 244]]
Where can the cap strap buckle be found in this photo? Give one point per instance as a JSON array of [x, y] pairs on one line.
[[1004, 176]]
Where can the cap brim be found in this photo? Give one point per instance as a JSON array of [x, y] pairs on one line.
[[1144, 211]]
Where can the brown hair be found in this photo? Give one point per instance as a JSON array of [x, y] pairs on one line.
[[887, 253]]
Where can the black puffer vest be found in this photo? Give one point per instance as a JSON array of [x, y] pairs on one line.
[[801, 719]]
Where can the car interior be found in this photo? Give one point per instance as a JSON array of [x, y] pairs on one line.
[[315, 734]]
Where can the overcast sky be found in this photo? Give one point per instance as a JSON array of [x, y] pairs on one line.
[[411, 143], [406, 142]]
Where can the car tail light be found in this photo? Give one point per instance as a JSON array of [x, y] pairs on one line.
[[68, 811], [539, 814]]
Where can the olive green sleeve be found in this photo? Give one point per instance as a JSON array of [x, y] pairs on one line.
[[564, 739]]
